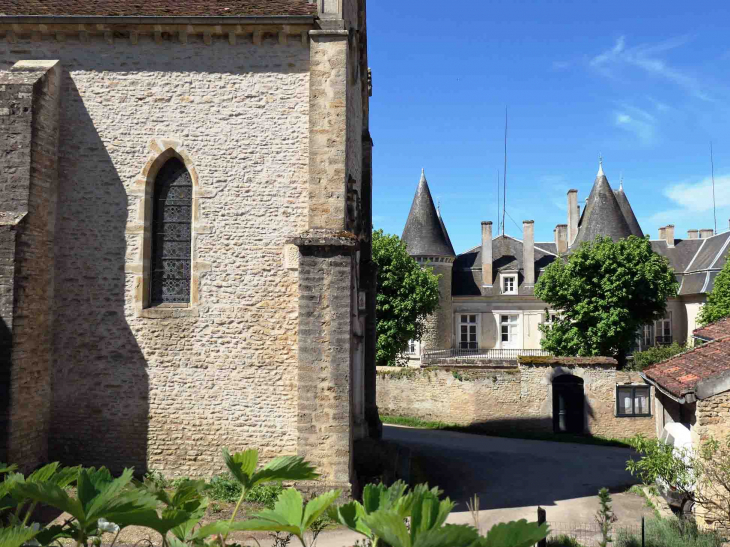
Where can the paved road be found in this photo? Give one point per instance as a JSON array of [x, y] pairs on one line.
[[513, 476]]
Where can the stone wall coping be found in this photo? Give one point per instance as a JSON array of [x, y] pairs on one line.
[[11, 218], [157, 20], [606, 362], [321, 237]]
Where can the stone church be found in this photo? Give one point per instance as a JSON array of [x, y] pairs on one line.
[[185, 229], [488, 309]]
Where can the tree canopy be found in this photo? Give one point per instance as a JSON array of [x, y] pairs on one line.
[[407, 294], [718, 301], [604, 292]]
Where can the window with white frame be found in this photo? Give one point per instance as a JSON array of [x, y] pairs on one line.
[[648, 338], [633, 401], [468, 338], [508, 325], [509, 283], [664, 330], [413, 348]]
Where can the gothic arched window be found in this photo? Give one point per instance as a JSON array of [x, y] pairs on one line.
[[171, 234]]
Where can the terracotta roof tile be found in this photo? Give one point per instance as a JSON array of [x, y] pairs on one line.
[[679, 375], [158, 8], [714, 331]]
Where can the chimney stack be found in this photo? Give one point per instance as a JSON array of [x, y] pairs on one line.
[[662, 233], [573, 215], [561, 238], [669, 235], [487, 275], [528, 251], [706, 232], [693, 234]]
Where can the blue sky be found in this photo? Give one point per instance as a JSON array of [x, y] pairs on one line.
[[645, 84]]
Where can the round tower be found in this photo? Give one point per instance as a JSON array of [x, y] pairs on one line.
[[428, 243]]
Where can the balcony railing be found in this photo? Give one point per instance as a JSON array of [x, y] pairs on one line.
[[431, 355], [663, 340]]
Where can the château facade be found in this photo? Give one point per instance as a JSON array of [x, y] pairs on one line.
[[488, 308]]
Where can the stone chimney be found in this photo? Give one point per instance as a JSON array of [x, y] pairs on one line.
[[662, 233], [573, 215], [561, 238], [669, 235], [487, 274], [706, 232], [693, 234], [528, 251]]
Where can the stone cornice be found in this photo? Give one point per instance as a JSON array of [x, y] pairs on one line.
[[13, 28]]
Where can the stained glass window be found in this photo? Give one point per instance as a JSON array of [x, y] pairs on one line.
[[171, 234]]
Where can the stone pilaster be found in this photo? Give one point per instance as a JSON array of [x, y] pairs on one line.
[[29, 132], [326, 276]]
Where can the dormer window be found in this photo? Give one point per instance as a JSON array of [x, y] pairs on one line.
[[509, 283]]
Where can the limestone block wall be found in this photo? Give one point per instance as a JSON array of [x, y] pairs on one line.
[[440, 325], [504, 396], [29, 135], [168, 392]]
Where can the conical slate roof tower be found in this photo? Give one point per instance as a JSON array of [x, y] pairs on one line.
[[627, 211], [602, 214], [425, 233]]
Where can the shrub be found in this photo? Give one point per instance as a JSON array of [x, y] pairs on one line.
[[671, 532], [563, 540], [643, 359], [224, 488]]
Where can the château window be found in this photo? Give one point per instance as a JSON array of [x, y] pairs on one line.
[[171, 235], [468, 338], [509, 284]]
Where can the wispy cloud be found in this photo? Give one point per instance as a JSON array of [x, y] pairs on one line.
[[636, 121], [645, 57], [556, 187], [561, 65], [697, 196]]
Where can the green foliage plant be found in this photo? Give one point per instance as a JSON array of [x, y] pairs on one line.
[[718, 300], [605, 517], [657, 354], [605, 291], [670, 532], [407, 294], [563, 540]]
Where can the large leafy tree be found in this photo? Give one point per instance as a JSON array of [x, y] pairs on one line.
[[605, 292], [407, 294], [718, 301]]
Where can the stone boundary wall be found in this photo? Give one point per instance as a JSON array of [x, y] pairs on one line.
[[506, 398]]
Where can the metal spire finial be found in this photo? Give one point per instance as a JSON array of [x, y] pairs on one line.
[[423, 174], [621, 184], [600, 166]]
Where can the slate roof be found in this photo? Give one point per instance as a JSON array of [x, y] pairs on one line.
[[506, 256], [628, 212], [680, 374], [696, 261], [157, 8], [714, 331], [602, 214], [425, 232]]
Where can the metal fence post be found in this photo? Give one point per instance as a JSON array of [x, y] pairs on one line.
[[642, 532], [541, 518]]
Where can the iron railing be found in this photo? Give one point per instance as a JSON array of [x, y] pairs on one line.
[[431, 355], [663, 340]]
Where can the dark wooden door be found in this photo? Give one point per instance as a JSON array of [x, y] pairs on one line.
[[568, 404]]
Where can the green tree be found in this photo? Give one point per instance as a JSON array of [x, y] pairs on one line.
[[718, 301], [605, 292], [407, 294]]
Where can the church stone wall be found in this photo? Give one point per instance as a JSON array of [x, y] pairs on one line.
[[167, 393]]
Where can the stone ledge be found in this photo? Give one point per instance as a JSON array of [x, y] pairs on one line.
[[8, 218], [320, 237], [607, 362]]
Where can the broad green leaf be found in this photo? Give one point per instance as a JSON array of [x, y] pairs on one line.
[[242, 465], [518, 533], [44, 473], [85, 489], [53, 495], [263, 525], [188, 491], [7, 468], [15, 536], [47, 535], [220, 527], [350, 515], [117, 508], [288, 509], [389, 527], [285, 468], [66, 476], [317, 506], [451, 535], [110, 499], [150, 519]]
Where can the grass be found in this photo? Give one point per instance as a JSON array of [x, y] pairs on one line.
[[670, 532], [479, 430]]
